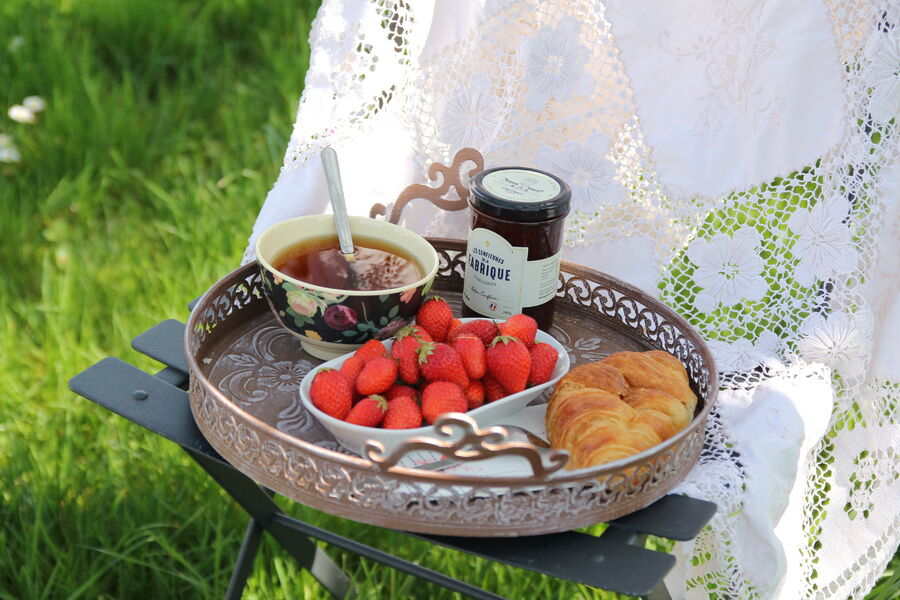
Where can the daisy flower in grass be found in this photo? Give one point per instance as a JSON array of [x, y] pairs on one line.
[[8, 151], [21, 114]]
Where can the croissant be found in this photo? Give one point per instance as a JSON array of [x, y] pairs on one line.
[[619, 406]]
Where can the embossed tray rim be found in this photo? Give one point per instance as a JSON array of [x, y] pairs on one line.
[[439, 479], [559, 476]]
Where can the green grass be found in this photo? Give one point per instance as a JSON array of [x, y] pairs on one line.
[[138, 186], [137, 189]]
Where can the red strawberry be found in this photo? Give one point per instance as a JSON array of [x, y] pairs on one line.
[[332, 393], [408, 367], [368, 412], [371, 349], [409, 336], [440, 362], [435, 316], [421, 333], [454, 325], [402, 413], [543, 360], [351, 367], [405, 349], [509, 363], [397, 390], [441, 397], [520, 326], [474, 394], [493, 391], [377, 376], [484, 329], [472, 353]]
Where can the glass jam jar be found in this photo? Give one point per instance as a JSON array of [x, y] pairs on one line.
[[514, 243]]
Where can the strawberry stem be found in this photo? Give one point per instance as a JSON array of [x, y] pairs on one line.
[[381, 401], [504, 339], [425, 350]]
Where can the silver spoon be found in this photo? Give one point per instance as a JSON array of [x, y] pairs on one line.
[[515, 434], [338, 206]]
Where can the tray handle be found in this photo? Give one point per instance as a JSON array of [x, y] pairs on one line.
[[467, 442], [448, 176]]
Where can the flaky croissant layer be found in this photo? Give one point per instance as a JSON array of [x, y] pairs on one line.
[[619, 406]]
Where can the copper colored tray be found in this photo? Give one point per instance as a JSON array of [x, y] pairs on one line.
[[245, 374]]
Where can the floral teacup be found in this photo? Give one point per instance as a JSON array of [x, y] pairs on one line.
[[331, 322]]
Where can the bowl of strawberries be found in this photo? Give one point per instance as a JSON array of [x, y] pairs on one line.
[[394, 390]]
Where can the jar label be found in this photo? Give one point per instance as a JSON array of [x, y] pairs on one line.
[[520, 185], [500, 281], [541, 277]]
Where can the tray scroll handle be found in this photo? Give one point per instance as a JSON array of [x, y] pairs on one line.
[[459, 437], [451, 176]]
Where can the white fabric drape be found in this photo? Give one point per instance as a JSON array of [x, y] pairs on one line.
[[738, 160]]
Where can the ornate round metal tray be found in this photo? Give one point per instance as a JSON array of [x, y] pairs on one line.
[[245, 374]]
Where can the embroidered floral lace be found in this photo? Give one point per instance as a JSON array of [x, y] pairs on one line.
[[737, 159]]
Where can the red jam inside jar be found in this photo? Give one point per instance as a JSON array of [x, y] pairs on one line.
[[514, 243]]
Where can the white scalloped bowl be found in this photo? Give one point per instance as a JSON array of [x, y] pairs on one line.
[[354, 437]]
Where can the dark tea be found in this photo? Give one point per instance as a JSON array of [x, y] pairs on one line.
[[378, 266]]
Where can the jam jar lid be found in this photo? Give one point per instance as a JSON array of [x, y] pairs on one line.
[[520, 194]]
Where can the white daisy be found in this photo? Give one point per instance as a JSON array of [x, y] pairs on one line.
[[825, 245], [554, 65], [839, 340], [34, 103], [728, 269], [744, 355], [471, 116], [9, 154], [21, 114], [587, 171], [882, 74]]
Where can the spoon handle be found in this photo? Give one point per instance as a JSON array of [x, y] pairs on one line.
[[338, 206]]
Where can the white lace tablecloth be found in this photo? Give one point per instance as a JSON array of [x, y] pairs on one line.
[[738, 159]]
